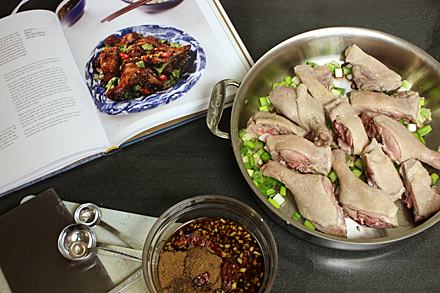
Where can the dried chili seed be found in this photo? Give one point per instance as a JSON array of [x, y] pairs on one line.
[[201, 280]]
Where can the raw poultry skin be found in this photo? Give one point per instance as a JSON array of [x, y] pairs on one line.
[[145, 77], [299, 153], [313, 195], [404, 105], [380, 171], [370, 74], [398, 143], [303, 109], [365, 204], [424, 199], [347, 126], [263, 124], [316, 82]]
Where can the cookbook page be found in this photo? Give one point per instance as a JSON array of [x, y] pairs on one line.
[[226, 56], [46, 118]]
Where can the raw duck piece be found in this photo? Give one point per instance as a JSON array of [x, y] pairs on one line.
[[348, 127], [318, 87], [314, 197], [397, 142], [404, 105], [365, 204], [263, 124], [380, 171], [370, 74], [301, 108], [424, 199], [300, 154]]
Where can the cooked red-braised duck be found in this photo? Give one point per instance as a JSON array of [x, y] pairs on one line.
[[134, 65]]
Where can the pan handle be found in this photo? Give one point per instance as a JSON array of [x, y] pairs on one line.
[[216, 106]]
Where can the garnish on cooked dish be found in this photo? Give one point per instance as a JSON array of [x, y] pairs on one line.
[[134, 65], [343, 153]]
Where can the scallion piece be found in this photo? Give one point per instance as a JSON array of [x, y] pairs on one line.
[[424, 130], [346, 70], [308, 224], [357, 172], [434, 177], [265, 157], [270, 192], [283, 191], [275, 204], [263, 101], [332, 176], [296, 216], [359, 164], [313, 64], [288, 80], [264, 108], [244, 150], [422, 102], [249, 143], [240, 133]]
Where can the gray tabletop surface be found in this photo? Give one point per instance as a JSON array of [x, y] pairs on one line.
[[151, 175]]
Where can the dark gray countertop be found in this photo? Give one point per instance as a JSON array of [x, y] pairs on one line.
[[151, 175]]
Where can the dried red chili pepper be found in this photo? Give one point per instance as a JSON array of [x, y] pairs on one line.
[[201, 280], [226, 274], [163, 77], [123, 55]]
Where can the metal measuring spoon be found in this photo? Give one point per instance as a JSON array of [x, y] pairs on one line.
[[78, 242], [90, 214]]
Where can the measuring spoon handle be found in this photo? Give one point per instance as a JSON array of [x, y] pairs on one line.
[[127, 239], [133, 253], [130, 280]]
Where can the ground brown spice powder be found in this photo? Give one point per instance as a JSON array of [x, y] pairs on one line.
[[177, 269]]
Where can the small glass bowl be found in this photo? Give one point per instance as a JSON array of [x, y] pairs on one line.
[[69, 15], [208, 206]]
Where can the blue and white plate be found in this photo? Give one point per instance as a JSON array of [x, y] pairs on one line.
[[189, 76]]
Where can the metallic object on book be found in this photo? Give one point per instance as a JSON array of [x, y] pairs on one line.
[[90, 214]]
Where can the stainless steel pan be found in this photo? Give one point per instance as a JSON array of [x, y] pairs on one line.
[[322, 46]]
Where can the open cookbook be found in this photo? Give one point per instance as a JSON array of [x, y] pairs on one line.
[[54, 111]]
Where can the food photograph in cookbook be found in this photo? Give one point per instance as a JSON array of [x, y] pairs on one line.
[[140, 68], [347, 138]]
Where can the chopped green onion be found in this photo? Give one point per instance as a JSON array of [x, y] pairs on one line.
[[313, 64], [422, 102], [241, 133], [274, 203], [258, 177], [249, 143], [422, 140], [296, 216], [278, 199], [244, 150], [359, 164], [275, 85], [405, 84], [424, 112], [264, 108], [248, 166], [296, 80], [346, 70], [333, 65], [338, 73], [424, 130], [335, 92], [357, 172], [270, 192], [412, 127], [308, 224], [283, 190], [251, 173], [416, 134], [263, 101], [147, 47], [332, 176], [265, 157], [434, 177], [288, 80], [342, 90]]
